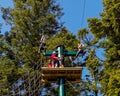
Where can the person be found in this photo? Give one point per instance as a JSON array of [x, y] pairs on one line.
[[42, 44], [80, 49], [49, 64], [55, 59]]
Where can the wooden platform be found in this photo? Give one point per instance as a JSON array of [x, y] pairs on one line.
[[69, 73]]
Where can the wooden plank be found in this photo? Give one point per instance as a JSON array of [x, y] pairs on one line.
[[64, 68], [53, 74]]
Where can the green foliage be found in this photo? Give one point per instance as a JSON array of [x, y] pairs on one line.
[[64, 37], [19, 47], [30, 18], [108, 28]]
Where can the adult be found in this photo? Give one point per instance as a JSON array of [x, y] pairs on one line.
[[42, 44], [55, 59], [80, 49]]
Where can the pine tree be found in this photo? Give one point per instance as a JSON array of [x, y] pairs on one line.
[[28, 20], [107, 31], [92, 62]]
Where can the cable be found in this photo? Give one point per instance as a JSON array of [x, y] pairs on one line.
[[83, 12]]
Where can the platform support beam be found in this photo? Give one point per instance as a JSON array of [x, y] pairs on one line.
[[61, 91]]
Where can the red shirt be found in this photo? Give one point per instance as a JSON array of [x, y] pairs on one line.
[[53, 56]]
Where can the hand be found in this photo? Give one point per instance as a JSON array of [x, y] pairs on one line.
[[60, 58]]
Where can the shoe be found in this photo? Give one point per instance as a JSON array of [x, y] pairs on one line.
[[61, 66]]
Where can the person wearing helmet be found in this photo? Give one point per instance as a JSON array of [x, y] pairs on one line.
[[55, 59]]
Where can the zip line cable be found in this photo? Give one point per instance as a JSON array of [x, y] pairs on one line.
[[83, 13]]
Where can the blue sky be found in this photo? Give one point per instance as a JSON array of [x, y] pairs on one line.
[[5, 3], [73, 12]]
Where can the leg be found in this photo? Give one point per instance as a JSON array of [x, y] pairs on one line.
[[53, 65], [83, 53], [44, 47], [40, 47], [78, 53]]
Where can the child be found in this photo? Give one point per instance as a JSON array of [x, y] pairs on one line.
[[49, 64]]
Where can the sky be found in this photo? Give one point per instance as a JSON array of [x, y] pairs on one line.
[[75, 15], [76, 12], [5, 3]]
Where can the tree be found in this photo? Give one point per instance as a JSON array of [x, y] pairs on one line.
[[92, 62], [28, 19], [106, 30]]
